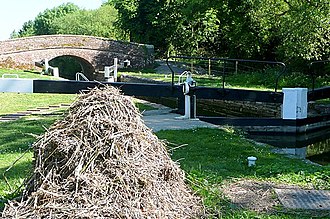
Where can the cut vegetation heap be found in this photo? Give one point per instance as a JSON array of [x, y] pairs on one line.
[[101, 161]]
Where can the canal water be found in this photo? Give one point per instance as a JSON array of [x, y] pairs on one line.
[[319, 152], [314, 146]]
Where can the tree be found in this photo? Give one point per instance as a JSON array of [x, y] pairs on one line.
[[98, 22], [145, 21], [43, 22], [298, 31], [27, 29]]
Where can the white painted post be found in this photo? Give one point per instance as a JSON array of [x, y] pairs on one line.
[[46, 66], [294, 103], [187, 105], [106, 72], [115, 69], [56, 72]]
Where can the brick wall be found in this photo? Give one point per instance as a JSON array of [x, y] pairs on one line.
[[99, 52]]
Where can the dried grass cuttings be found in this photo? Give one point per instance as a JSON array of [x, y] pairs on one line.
[[101, 161]]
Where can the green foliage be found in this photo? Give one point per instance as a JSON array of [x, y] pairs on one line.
[[291, 31], [145, 21], [69, 19], [28, 29], [298, 31], [98, 22], [294, 32], [44, 21]]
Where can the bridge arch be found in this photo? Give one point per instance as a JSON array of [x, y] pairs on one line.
[[91, 51], [69, 65]]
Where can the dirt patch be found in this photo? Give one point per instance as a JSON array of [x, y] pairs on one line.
[[254, 195]]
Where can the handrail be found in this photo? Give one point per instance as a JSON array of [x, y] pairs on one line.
[[231, 60], [181, 75], [310, 65], [79, 74]]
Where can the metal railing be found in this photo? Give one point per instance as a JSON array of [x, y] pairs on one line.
[[80, 75], [280, 73], [10, 76], [312, 73]]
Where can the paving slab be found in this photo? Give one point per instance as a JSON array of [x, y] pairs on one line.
[[304, 199], [169, 121]]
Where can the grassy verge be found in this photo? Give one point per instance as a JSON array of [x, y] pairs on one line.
[[210, 158], [15, 102], [11, 73], [214, 157], [15, 139]]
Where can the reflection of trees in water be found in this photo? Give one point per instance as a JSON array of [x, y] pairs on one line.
[[319, 152], [68, 66], [319, 147]]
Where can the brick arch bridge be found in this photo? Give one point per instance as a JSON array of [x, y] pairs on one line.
[[92, 52]]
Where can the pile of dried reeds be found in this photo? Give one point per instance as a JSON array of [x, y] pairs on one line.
[[101, 161]]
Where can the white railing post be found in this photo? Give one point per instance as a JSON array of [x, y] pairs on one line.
[[109, 69], [115, 69]]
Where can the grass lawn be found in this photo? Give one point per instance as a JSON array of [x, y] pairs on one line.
[[11, 73], [15, 102], [15, 138], [212, 158]]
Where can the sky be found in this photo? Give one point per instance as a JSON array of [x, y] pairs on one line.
[[14, 13]]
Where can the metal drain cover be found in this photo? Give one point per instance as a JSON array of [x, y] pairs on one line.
[[304, 199]]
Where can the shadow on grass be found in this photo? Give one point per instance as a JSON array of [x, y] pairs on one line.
[[17, 136], [17, 172], [15, 177]]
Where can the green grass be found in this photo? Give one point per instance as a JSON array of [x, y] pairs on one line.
[[15, 138], [212, 157], [15, 102], [143, 107], [25, 74]]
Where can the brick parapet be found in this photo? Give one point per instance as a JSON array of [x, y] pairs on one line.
[[96, 50]]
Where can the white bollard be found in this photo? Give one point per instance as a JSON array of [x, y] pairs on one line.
[[187, 105], [252, 161], [294, 103]]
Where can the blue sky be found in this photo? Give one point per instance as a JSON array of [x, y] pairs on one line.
[[13, 13]]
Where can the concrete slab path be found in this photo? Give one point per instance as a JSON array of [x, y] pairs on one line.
[[169, 121]]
